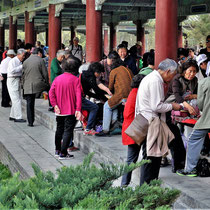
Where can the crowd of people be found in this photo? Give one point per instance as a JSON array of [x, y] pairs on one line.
[[109, 94]]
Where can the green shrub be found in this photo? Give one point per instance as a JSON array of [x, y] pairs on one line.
[[4, 172], [82, 187]]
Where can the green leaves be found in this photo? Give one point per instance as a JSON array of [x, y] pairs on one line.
[[82, 187]]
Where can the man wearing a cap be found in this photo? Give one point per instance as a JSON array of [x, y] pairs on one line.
[[76, 49], [13, 83], [3, 73], [204, 66]]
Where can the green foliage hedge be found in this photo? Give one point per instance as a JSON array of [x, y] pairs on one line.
[[82, 187]]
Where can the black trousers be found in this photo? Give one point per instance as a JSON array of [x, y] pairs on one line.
[[30, 99], [5, 94], [149, 171], [177, 148], [64, 130]]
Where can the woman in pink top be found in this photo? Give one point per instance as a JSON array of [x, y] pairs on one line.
[[65, 97]]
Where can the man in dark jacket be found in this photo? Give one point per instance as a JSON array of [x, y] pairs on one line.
[[88, 81], [35, 80]]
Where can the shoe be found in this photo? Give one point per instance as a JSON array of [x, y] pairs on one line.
[[51, 109], [72, 149], [11, 119], [114, 126], [90, 132], [20, 120], [182, 172], [102, 133], [30, 125], [57, 153], [65, 157]]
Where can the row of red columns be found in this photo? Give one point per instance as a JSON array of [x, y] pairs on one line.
[[166, 36]]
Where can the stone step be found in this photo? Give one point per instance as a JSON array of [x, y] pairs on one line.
[[195, 191]]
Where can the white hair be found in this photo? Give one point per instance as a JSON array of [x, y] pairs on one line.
[[60, 53], [168, 64], [21, 51]]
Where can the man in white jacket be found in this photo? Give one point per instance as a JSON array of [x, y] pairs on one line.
[[13, 83], [150, 103]]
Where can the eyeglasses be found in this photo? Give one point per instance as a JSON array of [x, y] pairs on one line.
[[207, 41]]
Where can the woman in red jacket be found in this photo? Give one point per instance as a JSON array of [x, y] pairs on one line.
[[129, 114]]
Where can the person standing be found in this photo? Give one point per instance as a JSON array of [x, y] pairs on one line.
[[3, 72], [150, 103], [200, 130], [206, 50], [13, 84], [55, 69], [66, 98], [76, 49], [35, 80]]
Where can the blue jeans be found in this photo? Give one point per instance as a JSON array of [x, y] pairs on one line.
[[109, 116], [194, 147], [92, 110], [132, 157]]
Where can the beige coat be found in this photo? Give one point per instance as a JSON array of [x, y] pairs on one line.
[[158, 137]]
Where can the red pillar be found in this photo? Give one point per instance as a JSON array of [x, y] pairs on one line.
[[54, 32], [2, 35], [29, 30], [106, 42], [72, 33], [93, 32], [113, 37], [180, 35], [166, 30], [12, 33], [140, 36]]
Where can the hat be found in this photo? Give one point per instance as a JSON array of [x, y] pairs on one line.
[[139, 43], [201, 58], [11, 52]]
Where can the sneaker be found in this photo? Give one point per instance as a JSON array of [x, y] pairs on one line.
[[57, 153], [72, 149], [90, 132], [182, 172], [103, 133], [65, 157]]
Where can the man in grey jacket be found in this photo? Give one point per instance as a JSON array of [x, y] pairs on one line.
[[35, 80], [200, 130]]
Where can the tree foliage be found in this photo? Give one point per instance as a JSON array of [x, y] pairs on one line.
[[82, 187]]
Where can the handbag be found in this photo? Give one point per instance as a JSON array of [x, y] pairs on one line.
[[137, 130]]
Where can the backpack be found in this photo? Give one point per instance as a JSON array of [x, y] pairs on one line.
[[203, 167]]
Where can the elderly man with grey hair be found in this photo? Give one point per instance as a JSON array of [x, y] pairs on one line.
[[55, 69], [13, 84], [76, 49], [150, 103]]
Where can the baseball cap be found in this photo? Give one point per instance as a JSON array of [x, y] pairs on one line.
[[201, 58]]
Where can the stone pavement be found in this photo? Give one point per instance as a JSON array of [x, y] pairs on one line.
[[21, 145]]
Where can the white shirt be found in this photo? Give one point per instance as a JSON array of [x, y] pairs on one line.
[[76, 51], [150, 97], [14, 68], [4, 65]]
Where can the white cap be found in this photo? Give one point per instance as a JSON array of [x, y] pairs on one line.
[[11, 52], [201, 58]]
